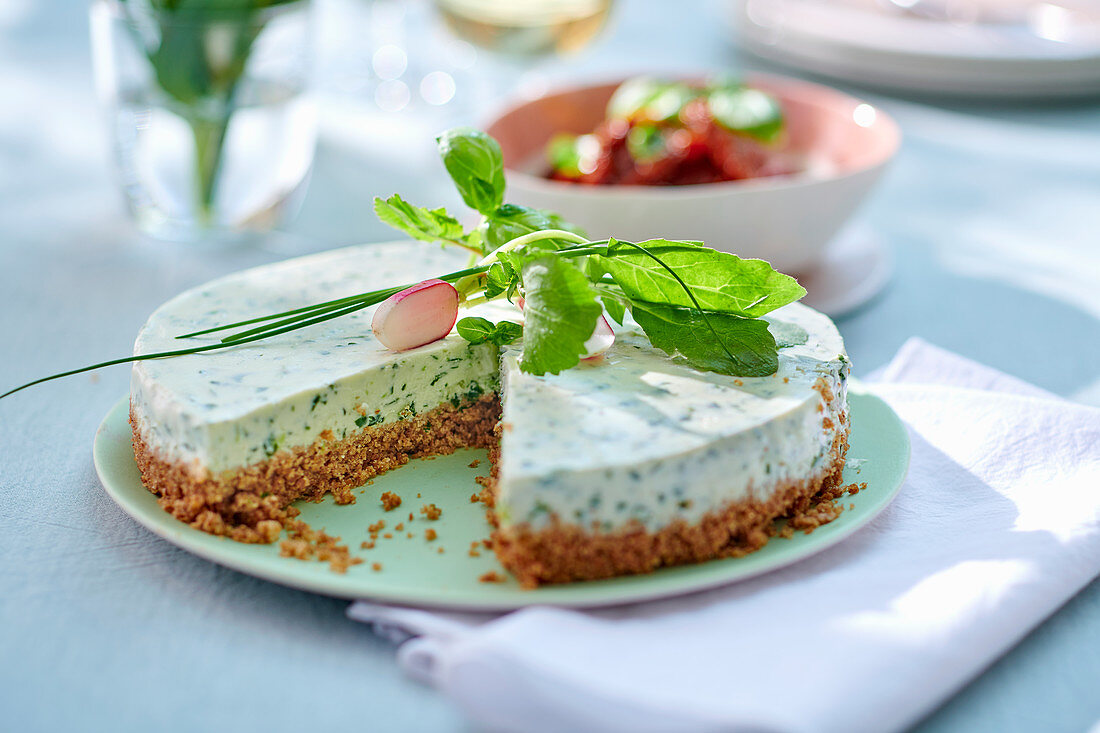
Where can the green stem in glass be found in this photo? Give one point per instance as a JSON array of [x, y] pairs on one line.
[[209, 142]]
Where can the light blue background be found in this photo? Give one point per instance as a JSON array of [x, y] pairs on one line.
[[991, 211]]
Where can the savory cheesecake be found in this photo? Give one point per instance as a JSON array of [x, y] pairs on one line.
[[620, 465]]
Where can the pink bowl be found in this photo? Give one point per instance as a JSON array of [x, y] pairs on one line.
[[787, 220]]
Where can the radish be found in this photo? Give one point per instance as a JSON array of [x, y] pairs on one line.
[[603, 336], [419, 315]]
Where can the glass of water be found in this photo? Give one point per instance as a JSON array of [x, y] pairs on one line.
[[212, 123]]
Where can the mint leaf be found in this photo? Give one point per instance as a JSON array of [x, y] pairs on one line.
[[720, 281], [476, 165], [427, 225], [788, 334], [560, 314], [681, 331], [747, 111], [478, 330], [510, 221]]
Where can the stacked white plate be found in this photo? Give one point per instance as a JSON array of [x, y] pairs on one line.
[[1022, 48]]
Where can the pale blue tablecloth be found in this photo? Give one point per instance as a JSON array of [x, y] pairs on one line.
[[991, 211]]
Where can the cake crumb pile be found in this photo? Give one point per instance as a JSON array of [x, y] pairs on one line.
[[825, 508], [305, 543]]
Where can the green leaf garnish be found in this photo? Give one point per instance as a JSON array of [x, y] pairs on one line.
[[720, 281], [500, 279], [478, 330], [559, 314], [426, 225], [747, 111], [476, 165], [749, 347]]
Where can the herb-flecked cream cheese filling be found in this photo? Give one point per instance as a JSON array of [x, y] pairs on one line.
[[222, 410]]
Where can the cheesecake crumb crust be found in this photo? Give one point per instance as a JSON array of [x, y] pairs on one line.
[[561, 552]]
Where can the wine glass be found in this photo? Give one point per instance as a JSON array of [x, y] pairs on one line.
[[518, 34]]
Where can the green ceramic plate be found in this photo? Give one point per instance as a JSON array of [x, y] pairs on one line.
[[413, 571]]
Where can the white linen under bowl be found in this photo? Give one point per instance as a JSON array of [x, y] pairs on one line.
[[786, 220]]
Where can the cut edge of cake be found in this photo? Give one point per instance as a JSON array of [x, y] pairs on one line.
[[252, 504], [564, 552]]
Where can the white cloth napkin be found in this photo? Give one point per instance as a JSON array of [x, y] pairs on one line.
[[997, 526]]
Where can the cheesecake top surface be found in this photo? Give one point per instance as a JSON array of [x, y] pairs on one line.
[[226, 384], [221, 385], [635, 398]]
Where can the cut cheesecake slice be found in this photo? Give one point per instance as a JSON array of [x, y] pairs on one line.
[[617, 466], [638, 461], [229, 438]]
